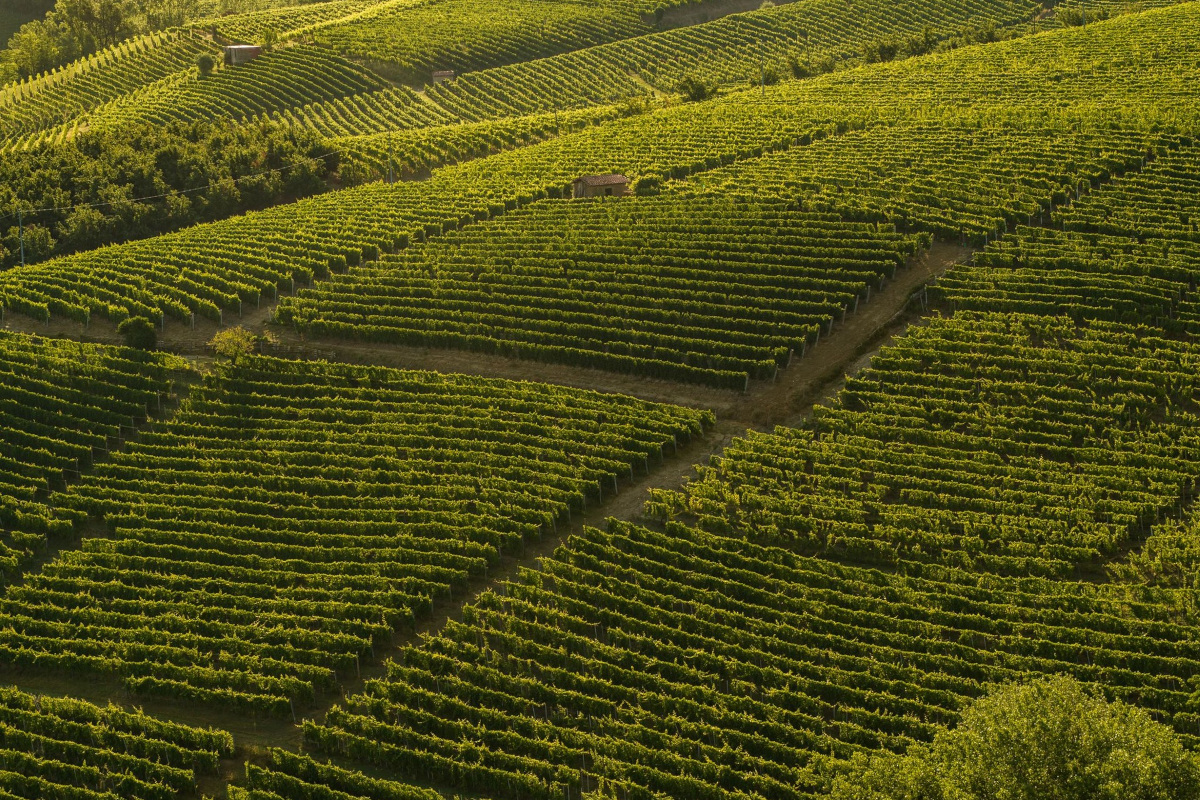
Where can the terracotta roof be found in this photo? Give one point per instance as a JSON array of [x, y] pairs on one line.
[[602, 180]]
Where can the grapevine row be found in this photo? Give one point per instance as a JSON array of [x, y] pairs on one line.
[[399, 488]]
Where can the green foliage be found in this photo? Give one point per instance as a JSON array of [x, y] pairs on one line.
[[77, 28], [205, 64], [694, 89], [188, 170], [234, 343], [66, 748], [695, 281], [64, 402], [722, 51], [1046, 740], [767, 75], [885, 49], [417, 39], [60, 99], [139, 333], [647, 185], [288, 78], [415, 483], [808, 66]]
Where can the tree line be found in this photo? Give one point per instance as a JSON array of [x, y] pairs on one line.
[[113, 185], [77, 28]]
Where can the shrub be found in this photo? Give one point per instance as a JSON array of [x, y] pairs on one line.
[[139, 333], [233, 343], [1046, 739], [695, 89], [807, 66]]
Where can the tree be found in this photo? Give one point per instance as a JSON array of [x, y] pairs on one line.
[[38, 46], [695, 89], [139, 333], [205, 64], [882, 50], [96, 24], [1046, 740], [234, 343], [76, 28], [161, 14], [807, 67]]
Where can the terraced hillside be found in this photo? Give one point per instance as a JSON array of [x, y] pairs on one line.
[[399, 487], [877, 391]]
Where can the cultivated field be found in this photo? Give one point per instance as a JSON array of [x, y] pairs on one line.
[[347, 452]]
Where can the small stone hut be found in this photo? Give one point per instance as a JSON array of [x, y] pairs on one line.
[[612, 185]]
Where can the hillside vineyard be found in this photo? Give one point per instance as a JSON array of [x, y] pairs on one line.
[[870, 388]]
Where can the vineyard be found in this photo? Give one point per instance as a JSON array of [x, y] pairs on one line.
[[690, 664], [400, 469], [51, 747], [415, 39], [208, 270], [400, 488], [286, 79], [63, 405], [53, 100], [709, 292]]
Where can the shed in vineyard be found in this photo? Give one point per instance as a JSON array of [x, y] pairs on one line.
[[443, 76], [612, 185], [241, 53]]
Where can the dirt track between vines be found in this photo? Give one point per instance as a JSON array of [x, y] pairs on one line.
[[787, 400]]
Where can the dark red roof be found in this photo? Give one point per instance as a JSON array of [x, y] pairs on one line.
[[602, 180]]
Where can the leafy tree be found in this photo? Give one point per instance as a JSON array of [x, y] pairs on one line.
[[768, 75], [76, 28], [885, 49], [807, 66], [160, 14], [139, 333], [1046, 740], [205, 64], [142, 180], [647, 185], [694, 89], [1074, 16], [234, 343], [921, 43]]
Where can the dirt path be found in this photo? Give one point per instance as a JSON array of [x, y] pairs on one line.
[[784, 401], [763, 406], [788, 399]]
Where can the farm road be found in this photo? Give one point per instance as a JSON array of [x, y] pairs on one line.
[[787, 400]]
